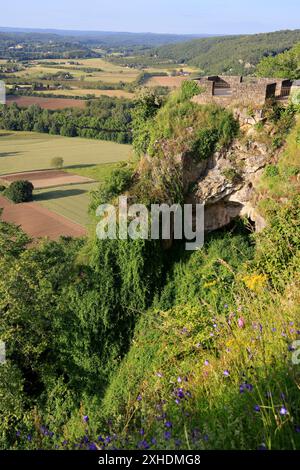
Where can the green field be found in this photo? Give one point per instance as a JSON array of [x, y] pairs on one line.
[[70, 201], [25, 151], [95, 172]]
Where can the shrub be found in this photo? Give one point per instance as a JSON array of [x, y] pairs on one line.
[[277, 142], [20, 191], [296, 98], [271, 171], [205, 143], [2, 188], [57, 162], [114, 185], [189, 88], [231, 175]]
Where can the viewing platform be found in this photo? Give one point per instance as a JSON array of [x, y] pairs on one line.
[[246, 91]]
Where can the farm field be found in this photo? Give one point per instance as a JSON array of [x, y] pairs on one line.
[[28, 151], [70, 201], [93, 63], [45, 102], [172, 82], [46, 178], [88, 91], [109, 72], [94, 172], [38, 221]]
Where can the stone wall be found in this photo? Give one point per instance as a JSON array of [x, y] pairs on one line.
[[239, 91]]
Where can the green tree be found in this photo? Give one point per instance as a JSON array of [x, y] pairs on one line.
[[20, 191], [285, 65], [57, 162], [146, 107]]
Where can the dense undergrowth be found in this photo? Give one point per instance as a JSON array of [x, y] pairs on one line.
[[120, 344]]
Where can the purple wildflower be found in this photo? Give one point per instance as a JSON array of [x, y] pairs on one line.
[[86, 419], [143, 445], [257, 408], [92, 446], [167, 435], [226, 373], [168, 424], [139, 398], [262, 446], [283, 411], [206, 363]]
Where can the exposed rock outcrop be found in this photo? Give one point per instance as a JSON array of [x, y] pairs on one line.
[[225, 182], [227, 186]]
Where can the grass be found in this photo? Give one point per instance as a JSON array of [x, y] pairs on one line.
[[96, 172], [217, 348], [25, 151], [286, 179], [70, 201]]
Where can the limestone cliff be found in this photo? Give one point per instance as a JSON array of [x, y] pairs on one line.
[[225, 182]]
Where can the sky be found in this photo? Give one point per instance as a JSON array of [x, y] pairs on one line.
[[158, 16]]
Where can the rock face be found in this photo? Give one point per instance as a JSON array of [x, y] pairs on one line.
[[227, 185], [225, 182]]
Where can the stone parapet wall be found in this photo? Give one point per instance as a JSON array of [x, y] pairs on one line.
[[235, 90]]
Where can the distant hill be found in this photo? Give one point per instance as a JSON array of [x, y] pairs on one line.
[[229, 54], [106, 38]]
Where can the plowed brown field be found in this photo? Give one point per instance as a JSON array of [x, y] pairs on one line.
[[47, 179], [37, 221]]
